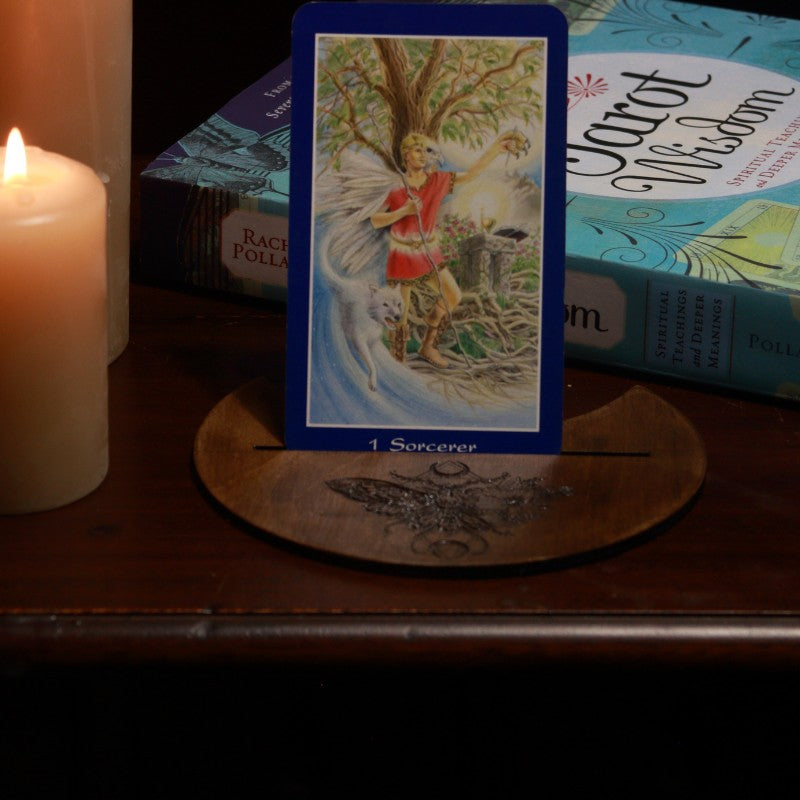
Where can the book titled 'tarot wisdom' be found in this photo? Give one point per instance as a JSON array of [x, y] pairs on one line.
[[683, 218]]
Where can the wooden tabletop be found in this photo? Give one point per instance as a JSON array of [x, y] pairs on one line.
[[149, 567], [151, 644]]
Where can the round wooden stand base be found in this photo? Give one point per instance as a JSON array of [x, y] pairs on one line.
[[623, 469]]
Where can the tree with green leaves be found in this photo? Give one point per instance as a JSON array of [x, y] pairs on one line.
[[372, 92]]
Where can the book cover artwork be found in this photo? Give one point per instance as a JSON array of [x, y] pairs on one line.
[[215, 204], [427, 223], [683, 191]]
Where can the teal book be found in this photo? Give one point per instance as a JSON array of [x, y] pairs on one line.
[[683, 192]]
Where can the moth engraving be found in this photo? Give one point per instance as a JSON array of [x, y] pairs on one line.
[[451, 511]]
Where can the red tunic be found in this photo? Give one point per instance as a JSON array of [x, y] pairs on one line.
[[409, 259]]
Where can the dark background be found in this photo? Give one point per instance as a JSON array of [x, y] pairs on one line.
[[145, 731], [190, 58]]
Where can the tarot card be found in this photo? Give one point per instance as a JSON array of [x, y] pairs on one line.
[[426, 229]]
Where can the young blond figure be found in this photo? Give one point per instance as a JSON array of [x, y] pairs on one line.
[[410, 212]]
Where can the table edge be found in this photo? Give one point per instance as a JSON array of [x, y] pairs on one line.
[[500, 640]]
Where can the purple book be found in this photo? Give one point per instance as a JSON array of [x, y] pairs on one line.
[[214, 205]]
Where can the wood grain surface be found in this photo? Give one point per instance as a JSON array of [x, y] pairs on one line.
[[151, 566]]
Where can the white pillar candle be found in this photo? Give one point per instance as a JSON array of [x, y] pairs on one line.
[[53, 332], [65, 80]]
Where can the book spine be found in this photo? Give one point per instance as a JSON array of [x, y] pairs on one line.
[[692, 329], [214, 206]]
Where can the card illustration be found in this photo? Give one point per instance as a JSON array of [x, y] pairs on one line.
[[426, 232]]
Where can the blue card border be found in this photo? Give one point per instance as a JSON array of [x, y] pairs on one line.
[[408, 20]]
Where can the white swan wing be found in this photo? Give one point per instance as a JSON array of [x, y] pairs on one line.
[[347, 194]]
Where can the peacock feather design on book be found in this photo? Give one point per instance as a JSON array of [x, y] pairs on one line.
[[221, 155], [222, 163], [753, 246], [664, 24]]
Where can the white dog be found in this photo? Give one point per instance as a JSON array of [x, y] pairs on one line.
[[365, 309]]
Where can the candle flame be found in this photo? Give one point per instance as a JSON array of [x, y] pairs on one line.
[[16, 164]]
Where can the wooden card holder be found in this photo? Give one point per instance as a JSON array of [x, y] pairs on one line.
[[624, 468]]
